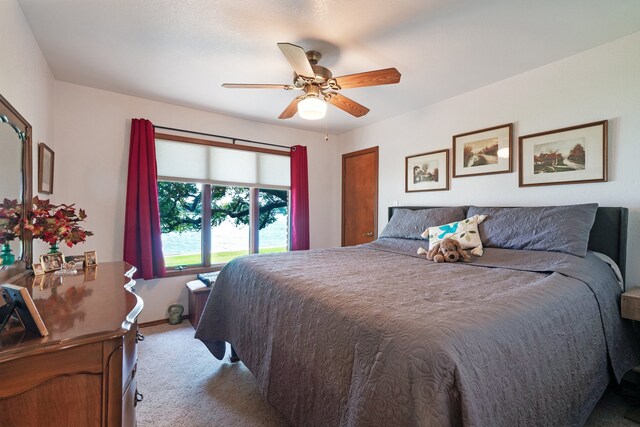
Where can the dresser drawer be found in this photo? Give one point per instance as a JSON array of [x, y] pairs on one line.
[[22, 374], [129, 356]]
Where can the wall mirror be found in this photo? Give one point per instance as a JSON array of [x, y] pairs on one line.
[[15, 182]]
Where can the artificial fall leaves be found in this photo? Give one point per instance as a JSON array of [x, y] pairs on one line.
[[57, 223]]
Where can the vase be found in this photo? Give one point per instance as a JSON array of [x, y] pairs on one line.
[[7, 257], [53, 249]]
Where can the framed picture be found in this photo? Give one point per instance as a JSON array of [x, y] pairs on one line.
[[78, 259], [572, 155], [90, 259], [26, 309], [427, 171], [45, 169], [483, 152], [51, 262], [38, 269]]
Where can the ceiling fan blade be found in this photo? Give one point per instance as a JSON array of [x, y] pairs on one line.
[[370, 78], [298, 59], [346, 104], [257, 86], [291, 109]]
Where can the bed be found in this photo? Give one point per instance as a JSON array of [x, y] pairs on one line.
[[376, 335]]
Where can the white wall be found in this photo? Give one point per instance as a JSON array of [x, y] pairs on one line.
[[92, 130], [26, 81], [601, 83]]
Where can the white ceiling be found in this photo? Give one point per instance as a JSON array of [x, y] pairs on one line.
[[181, 51]]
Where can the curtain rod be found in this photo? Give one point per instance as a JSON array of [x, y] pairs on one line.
[[233, 140]]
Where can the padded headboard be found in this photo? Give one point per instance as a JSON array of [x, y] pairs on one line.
[[608, 234]]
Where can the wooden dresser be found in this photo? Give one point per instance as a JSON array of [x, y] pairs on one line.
[[84, 372]]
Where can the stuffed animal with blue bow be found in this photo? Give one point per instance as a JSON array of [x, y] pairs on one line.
[[447, 250]]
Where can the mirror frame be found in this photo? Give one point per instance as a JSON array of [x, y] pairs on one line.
[[22, 267]]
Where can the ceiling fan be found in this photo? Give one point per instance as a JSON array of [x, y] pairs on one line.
[[319, 85]]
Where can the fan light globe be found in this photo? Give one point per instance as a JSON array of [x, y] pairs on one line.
[[312, 108]]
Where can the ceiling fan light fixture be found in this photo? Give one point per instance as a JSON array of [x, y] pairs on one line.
[[312, 108], [314, 79]]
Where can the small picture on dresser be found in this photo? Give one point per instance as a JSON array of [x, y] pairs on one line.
[[78, 259], [38, 269], [90, 259], [51, 262]]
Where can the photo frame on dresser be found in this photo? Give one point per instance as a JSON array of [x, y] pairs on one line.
[[38, 269], [427, 171], [571, 155], [52, 262], [90, 259], [483, 152], [20, 299]]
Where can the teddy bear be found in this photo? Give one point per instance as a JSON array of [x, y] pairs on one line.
[[448, 250]]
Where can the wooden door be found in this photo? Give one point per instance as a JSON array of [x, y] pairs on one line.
[[360, 197]]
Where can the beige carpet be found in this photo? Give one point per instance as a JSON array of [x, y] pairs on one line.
[[184, 385]]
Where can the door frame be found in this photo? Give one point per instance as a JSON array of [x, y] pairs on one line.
[[375, 195]]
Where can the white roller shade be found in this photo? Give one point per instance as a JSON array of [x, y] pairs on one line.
[[192, 162]]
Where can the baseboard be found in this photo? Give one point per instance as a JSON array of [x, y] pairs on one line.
[[160, 321]]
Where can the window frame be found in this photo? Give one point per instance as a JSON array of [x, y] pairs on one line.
[[205, 254]]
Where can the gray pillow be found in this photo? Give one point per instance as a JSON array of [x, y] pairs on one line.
[[546, 228], [410, 224]]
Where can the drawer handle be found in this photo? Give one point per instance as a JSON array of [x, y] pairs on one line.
[[139, 336], [139, 397]]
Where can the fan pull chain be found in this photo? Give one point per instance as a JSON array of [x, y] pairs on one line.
[[326, 128]]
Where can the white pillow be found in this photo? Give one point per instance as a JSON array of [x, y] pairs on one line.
[[465, 232]]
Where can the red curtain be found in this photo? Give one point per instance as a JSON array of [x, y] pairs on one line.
[[142, 244], [299, 199]]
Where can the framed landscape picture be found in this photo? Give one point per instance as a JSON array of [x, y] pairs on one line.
[[427, 171], [576, 154], [483, 152]]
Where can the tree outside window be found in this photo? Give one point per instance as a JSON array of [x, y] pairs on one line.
[[183, 207]]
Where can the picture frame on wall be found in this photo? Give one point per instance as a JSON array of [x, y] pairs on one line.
[[483, 152], [571, 155], [46, 160], [427, 171]]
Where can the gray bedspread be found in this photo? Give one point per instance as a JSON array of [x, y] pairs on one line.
[[374, 335]]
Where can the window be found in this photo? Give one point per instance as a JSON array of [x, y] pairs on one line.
[[208, 221], [273, 234], [180, 222]]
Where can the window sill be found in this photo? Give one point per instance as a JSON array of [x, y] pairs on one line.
[[190, 271]]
